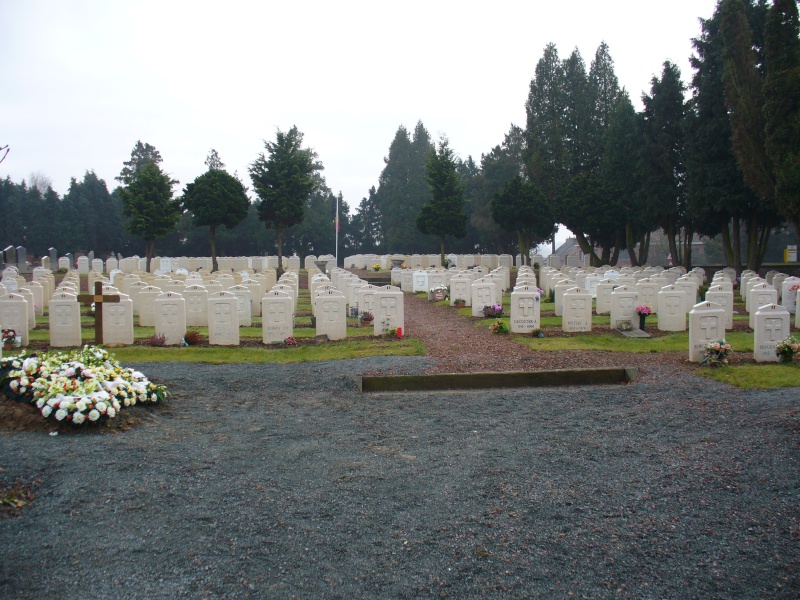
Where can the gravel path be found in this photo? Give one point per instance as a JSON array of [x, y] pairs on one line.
[[260, 481]]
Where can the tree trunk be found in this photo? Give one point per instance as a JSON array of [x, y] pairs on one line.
[[644, 248], [212, 234], [673, 247], [752, 243], [149, 252], [441, 250], [587, 248], [737, 245], [630, 243], [762, 244], [687, 248], [727, 248], [279, 271]]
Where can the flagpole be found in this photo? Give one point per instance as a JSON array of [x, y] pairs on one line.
[[337, 231]]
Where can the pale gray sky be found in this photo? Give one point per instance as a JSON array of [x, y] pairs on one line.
[[82, 81]]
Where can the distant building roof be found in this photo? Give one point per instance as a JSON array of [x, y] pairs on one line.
[[570, 246]]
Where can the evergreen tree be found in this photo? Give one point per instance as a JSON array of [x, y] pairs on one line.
[[216, 198], [284, 181], [141, 155], [366, 225], [662, 161], [213, 161], [522, 208], [782, 106], [444, 215], [403, 190], [148, 204]]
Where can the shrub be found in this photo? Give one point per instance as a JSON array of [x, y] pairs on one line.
[[158, 339]]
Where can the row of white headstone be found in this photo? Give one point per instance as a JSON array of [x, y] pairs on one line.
[[173, 305]]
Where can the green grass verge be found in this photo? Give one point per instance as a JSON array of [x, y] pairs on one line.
[[757, 377], [279, 354]]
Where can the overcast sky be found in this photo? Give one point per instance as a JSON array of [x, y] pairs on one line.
[[83, 81]]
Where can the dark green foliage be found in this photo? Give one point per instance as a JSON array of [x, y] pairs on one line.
[[444, 214], [782, 106], [662, 163], [216, 198], [367, 235], [522, 208], [284, 180], [148, 204], [403, 191]]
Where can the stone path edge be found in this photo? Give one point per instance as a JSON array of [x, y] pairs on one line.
[[508, 379]]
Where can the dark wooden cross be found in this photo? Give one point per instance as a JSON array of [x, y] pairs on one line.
[[99, 299]]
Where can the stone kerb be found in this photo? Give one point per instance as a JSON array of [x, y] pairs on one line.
[[65, 321], [706, 326], [771, 326], [223, 319]]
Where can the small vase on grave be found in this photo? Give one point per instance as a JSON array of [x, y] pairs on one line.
[[642, 319]]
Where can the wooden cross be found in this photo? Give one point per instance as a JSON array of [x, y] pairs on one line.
[[98, 298]]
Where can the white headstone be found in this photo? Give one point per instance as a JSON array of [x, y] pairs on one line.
[[118, 321], [14, 315], [624, 301], [483, 294], [460, 289], [525, 310], [760, 295], [65, 321], [223, 319], [671, 309], [719, 295], [577, 310], [170, 312], [196, 297], [706, 326], [771, 327], [789, 298], [277, 317], [331, 314], [389, 309]]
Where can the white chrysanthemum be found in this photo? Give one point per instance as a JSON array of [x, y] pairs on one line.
[[81, 405], [14, 385], [40, 403], [46, 411], [154, 398], [78, 418], [87, 374], [111, 412], [60, 414], [102, 406], [94, 415]]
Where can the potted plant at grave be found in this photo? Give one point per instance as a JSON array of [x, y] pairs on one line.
[[459, 303], [499, 327], [9, 339], [494, 311], [787, 349], [643, 311], [716, 354], [376, 267], [366, 318]]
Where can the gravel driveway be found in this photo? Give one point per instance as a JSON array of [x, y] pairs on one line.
[[284, 481]]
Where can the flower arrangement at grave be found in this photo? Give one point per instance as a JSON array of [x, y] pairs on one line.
[[79, 386], [499, 327], [9, 338], [459, 302], [537, 333], [366, 317], [493, 311], [376, 267], [787, 350], [716, 354], [644, 310], [290, 341]]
